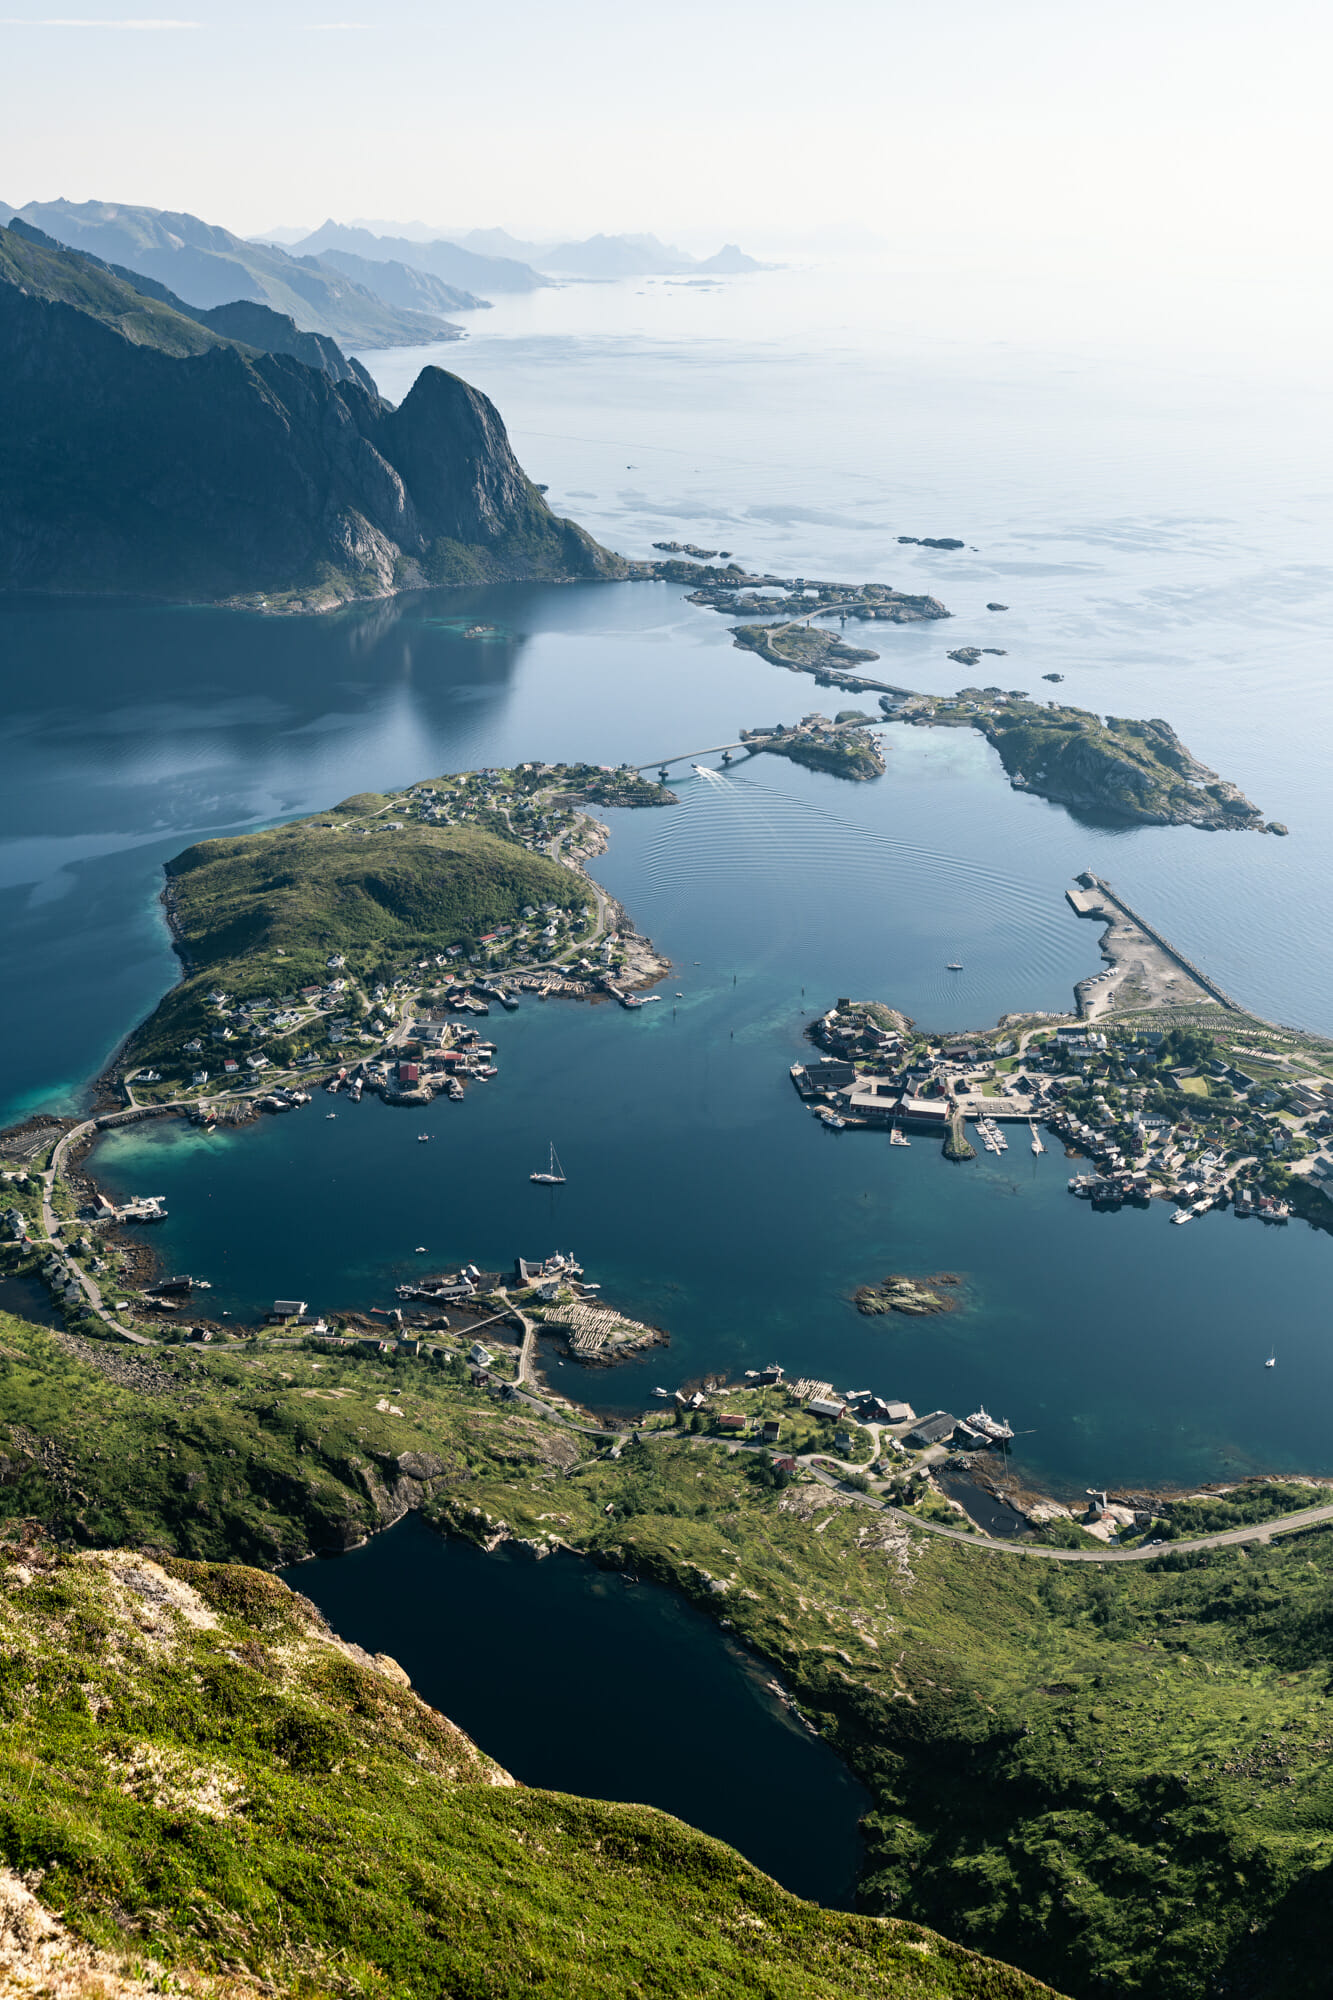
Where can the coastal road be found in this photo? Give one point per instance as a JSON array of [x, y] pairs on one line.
[[1288, 1524], [92, 1291], [1264, 1531]]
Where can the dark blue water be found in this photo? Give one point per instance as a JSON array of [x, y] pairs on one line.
[[577, 1681], [1161, 540]]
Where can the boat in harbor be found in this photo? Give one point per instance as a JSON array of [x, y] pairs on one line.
[[660, 1391], [1183, 1215], [897, 1137], [990, 1427], [1037, 1146], [555, 1173]]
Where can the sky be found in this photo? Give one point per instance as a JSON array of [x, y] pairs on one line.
[[1156, 133]]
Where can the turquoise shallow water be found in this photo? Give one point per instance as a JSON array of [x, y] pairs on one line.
[[1160, 536]]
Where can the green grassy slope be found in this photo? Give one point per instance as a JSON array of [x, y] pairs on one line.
[[83, 282], [1117, 1778], [231, 1793], [262, 913]]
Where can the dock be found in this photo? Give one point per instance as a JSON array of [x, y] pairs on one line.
[[1096, 898]]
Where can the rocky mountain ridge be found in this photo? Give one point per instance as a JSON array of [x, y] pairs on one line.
[[142, 452]]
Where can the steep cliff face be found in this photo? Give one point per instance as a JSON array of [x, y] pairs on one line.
[[141, 452]]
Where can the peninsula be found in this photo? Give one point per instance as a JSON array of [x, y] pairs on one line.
[[1160, 1080], [340, 935]]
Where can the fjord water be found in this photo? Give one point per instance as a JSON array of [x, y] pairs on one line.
[[1159, 530], [580, 1680]]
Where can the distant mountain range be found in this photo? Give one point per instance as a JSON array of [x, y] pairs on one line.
[[223, 454], [447, 261], [209, 266], [614, 256], [481, 255]]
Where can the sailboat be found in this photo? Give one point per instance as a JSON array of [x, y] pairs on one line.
[[555, 1173]]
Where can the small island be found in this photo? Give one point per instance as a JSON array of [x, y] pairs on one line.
[[914, 1297], [844, 747], [1132, 771]]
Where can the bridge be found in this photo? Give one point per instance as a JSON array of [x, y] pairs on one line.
[[664, 763], [752, 747]]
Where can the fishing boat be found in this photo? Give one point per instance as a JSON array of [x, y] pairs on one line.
[[555, 1173], [897, 1137], [990, 1427]]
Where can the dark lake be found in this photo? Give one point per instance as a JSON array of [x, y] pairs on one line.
[[578, 1681]]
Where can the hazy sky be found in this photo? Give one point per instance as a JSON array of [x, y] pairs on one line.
[[1179, 129]]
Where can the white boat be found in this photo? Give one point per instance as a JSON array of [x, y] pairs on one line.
[[659, 1391], [1271, 1361], [420, 1250], [423, 1138], [897, 1137], [555, 1173], [1182, 1215], [990, 1427], [953, 966], [332, 1114]]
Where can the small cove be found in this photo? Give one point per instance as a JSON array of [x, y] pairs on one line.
[[577, 1680]]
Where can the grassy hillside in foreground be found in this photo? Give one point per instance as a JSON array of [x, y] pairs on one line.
[[1117, 1778], [227, 1790]]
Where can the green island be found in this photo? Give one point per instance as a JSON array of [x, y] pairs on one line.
[[844, 748], [1138, 772], [1130, 771], [325, 935], [1113, 1775]]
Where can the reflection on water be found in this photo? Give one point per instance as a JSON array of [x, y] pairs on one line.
[[1161, 561]]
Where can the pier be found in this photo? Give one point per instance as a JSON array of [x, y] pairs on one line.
[[1096, 898]]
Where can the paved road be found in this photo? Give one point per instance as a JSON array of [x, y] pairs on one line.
[[1289, 1524], [1308, 1517], [91, 1290]]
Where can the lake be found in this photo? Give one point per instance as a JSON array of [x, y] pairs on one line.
[[579, 1681]]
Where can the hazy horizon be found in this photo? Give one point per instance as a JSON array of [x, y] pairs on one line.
[[1163, 143]]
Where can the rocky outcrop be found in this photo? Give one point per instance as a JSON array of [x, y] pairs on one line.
[[1136, 770], [141, 453]]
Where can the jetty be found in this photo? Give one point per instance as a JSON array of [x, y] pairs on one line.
[[1138, 955]]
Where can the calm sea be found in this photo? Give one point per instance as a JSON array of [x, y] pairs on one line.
[[1158, 525]]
